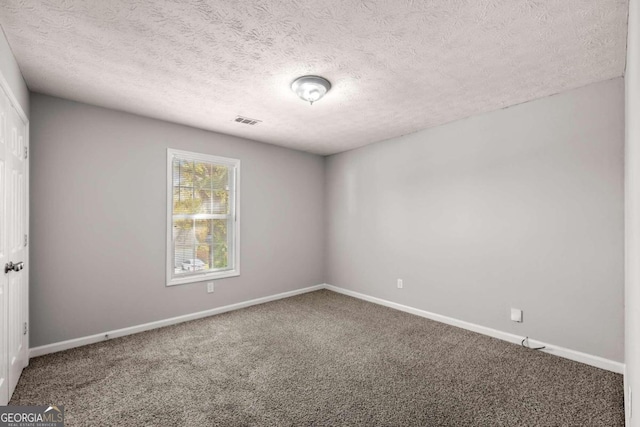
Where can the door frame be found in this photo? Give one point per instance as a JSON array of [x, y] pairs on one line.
[[4, 84]]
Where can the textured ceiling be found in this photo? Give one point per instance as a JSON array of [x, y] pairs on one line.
[[397, 66]]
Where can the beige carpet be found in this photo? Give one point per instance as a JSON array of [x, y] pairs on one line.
[[319, 359]]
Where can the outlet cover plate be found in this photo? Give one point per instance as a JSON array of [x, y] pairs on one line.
[[516, 315]]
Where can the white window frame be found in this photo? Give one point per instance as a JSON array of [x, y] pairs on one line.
[[234, 200]]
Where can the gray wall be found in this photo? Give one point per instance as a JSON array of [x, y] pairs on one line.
[[10, 71], [632, 216], [98, 194], [521, 207]]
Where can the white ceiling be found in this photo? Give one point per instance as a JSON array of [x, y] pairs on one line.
[[397, 66]]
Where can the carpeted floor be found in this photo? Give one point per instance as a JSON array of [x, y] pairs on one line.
[[319, 359]]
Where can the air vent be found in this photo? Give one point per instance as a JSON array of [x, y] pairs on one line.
[[246, 120]]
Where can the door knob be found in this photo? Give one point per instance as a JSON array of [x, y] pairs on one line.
[[10, 266]]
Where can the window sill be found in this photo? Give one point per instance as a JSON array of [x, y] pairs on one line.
[[195, 278]]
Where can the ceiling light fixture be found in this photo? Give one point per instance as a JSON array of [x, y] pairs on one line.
[[310, 88]]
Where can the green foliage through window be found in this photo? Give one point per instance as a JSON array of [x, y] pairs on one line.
[[201, 215]]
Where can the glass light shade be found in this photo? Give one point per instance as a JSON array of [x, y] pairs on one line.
[[311, 88]]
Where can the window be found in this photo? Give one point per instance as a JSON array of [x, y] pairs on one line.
[[202, 217]]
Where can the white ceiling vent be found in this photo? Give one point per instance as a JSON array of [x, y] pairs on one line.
[[246, 120]]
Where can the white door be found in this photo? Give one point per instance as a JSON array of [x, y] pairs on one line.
[[4, 366], [13, 250]]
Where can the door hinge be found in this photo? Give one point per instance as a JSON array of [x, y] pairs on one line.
[[26, 240], [26, 152], [26, 328]]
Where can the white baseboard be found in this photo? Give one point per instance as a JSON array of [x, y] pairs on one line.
[[91, 339], [598, 362], [577, 356]]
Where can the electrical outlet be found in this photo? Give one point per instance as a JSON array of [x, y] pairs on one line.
[[516, 315], [209, 287], [400, 284]]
